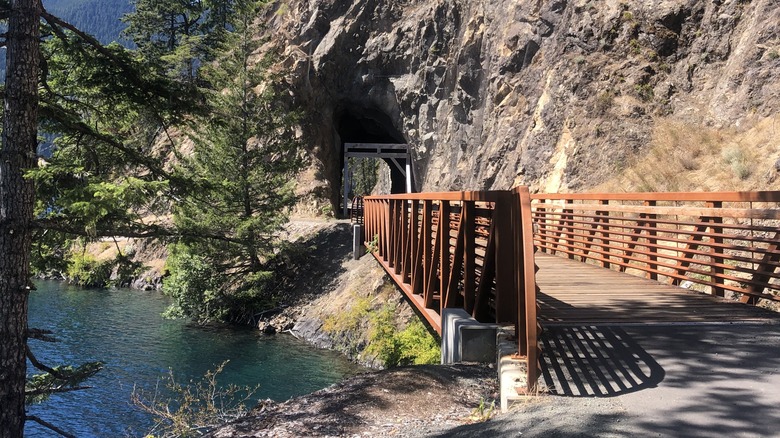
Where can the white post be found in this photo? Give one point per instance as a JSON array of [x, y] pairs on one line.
[[408, 176], [346, 185]]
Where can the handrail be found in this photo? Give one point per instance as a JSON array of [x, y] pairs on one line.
[[356, 215], [469, 250], [758, 196], [717, 242]]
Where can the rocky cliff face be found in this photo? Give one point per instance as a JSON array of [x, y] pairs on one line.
[[556, 94]]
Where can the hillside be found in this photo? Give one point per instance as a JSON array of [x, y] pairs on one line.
[[560, 95], [101, 18]]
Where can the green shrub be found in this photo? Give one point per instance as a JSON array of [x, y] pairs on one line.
[[416, 346], [349, 319], [645, 91], [202, 292], [86, 271], [192, 286], [413, 345]]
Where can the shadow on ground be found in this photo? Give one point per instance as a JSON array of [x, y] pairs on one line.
[[691, 381], [311, 266], [595, 361]]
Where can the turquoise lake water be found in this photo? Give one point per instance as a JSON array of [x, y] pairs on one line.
[[124, 329]]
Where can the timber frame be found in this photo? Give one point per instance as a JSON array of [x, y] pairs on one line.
[[392, 152]]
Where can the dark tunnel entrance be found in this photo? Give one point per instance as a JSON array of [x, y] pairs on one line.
[[369, 134]]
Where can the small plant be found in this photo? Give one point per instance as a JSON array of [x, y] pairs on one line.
[[644, 91], [738, 160], [627, 16], [86, 271], [350, 318], [634, 46], [483, 411], [652, 55], [194, 407], [373, 245], [604, 102], [284, 8], [773, 54]]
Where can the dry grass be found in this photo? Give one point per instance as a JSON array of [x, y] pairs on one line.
[[687, 157], [104, 250]]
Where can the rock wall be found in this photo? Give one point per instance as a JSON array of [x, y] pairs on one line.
[[556, 94]]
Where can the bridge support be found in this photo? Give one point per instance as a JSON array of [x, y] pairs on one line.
[[464, 339], [357, 241]]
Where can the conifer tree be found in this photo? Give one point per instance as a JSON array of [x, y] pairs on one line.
[[17, 196], [243, 166], [90, 152]]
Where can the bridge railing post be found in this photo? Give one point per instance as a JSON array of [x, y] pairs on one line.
[[527, 290], [505, 257], [652, 242]]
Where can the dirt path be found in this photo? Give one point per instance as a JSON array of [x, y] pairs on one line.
[[403, 402]]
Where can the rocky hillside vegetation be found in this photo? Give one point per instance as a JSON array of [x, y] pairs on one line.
[[562, 95]]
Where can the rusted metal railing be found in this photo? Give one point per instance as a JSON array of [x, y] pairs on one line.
[[469, 250], [356, 211], [715, 242]]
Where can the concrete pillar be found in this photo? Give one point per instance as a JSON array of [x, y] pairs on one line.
[[463, 339], [357, 241]]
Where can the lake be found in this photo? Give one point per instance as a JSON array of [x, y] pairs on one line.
[[124, 329]]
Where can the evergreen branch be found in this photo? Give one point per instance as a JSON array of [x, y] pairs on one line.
[[37, 364], [57, 390], [69, 226], [41, 335], [57, 24], [75, 124], [49, 426]]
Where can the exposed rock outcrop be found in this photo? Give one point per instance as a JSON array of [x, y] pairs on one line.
[[553, 93]]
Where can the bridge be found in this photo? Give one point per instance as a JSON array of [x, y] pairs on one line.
[[536, 262]]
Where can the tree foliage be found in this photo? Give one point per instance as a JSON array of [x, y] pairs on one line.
[[112, 113], [177, 36], [242, 172]]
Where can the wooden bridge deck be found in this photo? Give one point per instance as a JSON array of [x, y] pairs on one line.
[[573, 292]]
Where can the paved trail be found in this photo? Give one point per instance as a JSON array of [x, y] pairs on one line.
[[676, 381]]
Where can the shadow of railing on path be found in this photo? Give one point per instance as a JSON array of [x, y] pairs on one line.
[[595, 361]]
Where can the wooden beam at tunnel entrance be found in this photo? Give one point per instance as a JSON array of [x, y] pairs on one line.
[[388, 151]]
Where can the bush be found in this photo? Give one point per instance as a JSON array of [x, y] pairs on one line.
[[413, 345], [416, 346], [202, 292], [192, 286], [736, 157], [193, 407], [86, 271]]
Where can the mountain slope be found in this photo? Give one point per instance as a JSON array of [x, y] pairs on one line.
[[101, 18], [560, 95]]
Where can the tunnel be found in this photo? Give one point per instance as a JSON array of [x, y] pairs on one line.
[[357, 124]]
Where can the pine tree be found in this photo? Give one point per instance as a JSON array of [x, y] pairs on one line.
[[17, 199], [90, 154], [178, 36], [243, 166]]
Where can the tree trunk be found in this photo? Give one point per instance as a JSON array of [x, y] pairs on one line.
[[19, 142]]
